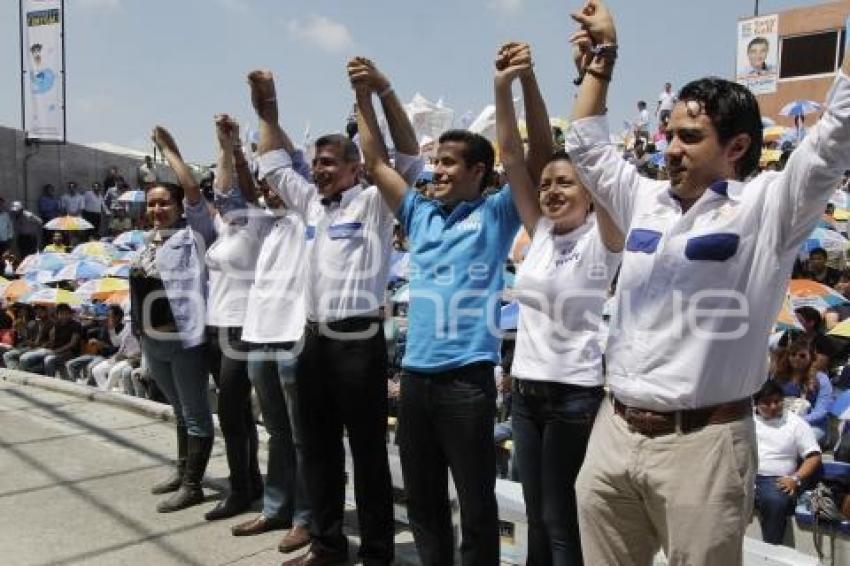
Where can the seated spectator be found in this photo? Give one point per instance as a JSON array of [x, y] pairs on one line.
[[818, 270], [117, 369], [784, 440], [21, 326], [812, 323], [836, 314], [57, 244], [800, 380], [64, 344], [37, 337], [102, 344]]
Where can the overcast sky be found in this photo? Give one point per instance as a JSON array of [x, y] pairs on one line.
[[134, 63]]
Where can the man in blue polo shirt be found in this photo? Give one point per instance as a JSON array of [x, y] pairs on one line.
[[459, 241]]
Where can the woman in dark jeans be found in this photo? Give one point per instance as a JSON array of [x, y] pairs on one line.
[[167, 291], [561, 287]]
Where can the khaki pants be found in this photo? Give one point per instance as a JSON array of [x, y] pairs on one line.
[[690, 494]]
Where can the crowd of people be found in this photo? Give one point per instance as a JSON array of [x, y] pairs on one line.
[[650, 408]]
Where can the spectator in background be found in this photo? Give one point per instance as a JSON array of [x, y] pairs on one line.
[[116, 370], [101, 343], [49, 205], [783, 440], [27, 229], [836, 314], [64, 344], [73, 200], [57, 244], [94, 207], [146, 175], [7, 228], [798, 378], [666, 101], [641, 126], [113, 179], [818, 270], [23, 325], [38, 336]]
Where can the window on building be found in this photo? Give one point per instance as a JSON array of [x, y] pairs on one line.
[[812, 54]]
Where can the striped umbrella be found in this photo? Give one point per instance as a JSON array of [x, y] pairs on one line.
[[68, 224], [103, 250], [806, 293], [121, 270], [52, 297], [43, 262], [787, 320], [81, 271], [102, 288], [131, 239]]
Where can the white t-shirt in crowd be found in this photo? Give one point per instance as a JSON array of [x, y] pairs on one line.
[[562, 287], [231, 261], [73, 204], [276, 302], [782, 443], [93, 202], [666, 100]]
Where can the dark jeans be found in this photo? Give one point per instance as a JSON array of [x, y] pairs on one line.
[[228, 355], [551, 427], [342, 382], [773, 506], [446, 423]]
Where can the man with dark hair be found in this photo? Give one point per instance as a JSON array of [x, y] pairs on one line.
[[341, 371], [818, 270], [672, 457], [459, 240], [49, 205]]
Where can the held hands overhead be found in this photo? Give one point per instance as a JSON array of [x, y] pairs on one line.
[[513, 60]]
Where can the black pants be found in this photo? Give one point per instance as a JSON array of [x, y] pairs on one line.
[[446, 423], [93, 218], [27, 245], [228, 362], [342, 382]]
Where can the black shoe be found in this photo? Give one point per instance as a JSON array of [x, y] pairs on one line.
[[232, 505], [190, 492], [173, 483]]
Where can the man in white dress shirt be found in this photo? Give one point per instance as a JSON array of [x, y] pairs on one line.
[[341, 373], [672, 456]]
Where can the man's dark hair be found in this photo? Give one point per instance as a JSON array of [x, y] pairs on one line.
[[478, 150], [350, 151], [819, 251], [758, 41], [769, 389], [733, 110], [641, 104], [35, 47], [62, 307], [560, 155], [175, 190], [117, 312]]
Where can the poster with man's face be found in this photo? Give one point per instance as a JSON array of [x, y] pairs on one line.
[[758, 54]]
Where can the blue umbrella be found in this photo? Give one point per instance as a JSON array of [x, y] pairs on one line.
[[81, 271], [121, 270], [44, 276], [509, 316], [840, 408], [43, 262], [800, 108], [132, 239]]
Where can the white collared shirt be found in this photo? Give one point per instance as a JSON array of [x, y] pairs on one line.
[[73, 203], [699, 291], [562, 286], [276, 306], [348, 262], [94, 202]]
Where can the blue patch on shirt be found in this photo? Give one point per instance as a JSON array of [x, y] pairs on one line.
[[712, 247], [643, 240], [345, 230], [310, 232]]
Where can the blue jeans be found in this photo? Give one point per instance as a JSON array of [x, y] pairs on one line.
[[551, 427], [182, 374], [33, 360], [271, 369], [773, 506]]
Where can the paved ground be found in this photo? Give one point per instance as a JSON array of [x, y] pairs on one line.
[[74, 481]]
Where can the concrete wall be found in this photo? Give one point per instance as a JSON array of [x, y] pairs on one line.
[[25, 168]]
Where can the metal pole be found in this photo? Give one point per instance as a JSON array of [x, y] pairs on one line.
[[23, 72], [65, 77], [756, 12]]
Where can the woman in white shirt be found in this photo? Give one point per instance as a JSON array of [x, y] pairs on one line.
[[561, 287], [231, 261]]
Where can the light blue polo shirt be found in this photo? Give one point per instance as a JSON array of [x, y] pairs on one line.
[[456, 278]]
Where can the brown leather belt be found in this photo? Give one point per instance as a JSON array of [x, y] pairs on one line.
[[657, 423]]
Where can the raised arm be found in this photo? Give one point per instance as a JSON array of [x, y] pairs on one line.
[[513, 60], [276, 149], [365, 73], [224, 167], [541, 146], [392, 185], [595, 69], [168, 148]]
